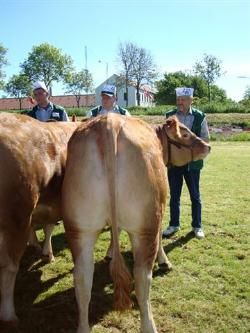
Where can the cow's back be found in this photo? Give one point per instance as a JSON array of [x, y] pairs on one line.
[[33, 156], [134, 163]]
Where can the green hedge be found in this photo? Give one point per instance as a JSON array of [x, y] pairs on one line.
[[158, 110], [223, 108], [162, 109], [207, 108]]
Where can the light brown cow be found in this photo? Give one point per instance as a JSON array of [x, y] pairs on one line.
[[115, 174], [32, 164]]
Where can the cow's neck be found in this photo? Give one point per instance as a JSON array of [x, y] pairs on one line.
[[164, 142]]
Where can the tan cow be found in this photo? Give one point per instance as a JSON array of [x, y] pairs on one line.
[[32, 164], [115, 175]]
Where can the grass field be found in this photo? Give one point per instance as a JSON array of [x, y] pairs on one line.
[[208, 290]]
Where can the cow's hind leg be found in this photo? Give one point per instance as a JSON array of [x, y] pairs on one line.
[[144, 251], [82, 248], [12, 246]]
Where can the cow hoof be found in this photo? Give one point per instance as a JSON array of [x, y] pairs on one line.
[[36, 247], [165, 267], [9, 322], [48, 258]]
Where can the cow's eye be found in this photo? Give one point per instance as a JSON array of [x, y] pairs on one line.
[[185, 135]]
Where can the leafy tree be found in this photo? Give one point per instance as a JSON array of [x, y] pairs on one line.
[[209, 68], [247, 93], [77, 83], [218, 94], [19, 86], [47, 63], [3, 62], [166, 87]]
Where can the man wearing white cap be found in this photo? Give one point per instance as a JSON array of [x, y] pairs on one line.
[[108, 98], [195, 120], [46, 110]]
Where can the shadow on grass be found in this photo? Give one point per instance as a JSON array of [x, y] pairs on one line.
[[58, 312], [179, 242]]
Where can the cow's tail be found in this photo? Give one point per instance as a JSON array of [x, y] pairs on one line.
[[119, 272]]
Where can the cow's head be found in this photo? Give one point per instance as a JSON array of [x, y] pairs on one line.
[[181, 146]]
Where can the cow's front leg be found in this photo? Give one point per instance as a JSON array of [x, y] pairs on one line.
[[33, 241], [47, 253], [83, 277]]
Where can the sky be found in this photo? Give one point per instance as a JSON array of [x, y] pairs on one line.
[[177, 33]]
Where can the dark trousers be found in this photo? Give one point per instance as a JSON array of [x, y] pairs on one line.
[[192, 179]]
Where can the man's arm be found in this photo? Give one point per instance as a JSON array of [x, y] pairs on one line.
[[65, 116], [205, 131]]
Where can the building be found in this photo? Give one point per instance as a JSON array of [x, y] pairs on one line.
[[67, 101], [146, 93]]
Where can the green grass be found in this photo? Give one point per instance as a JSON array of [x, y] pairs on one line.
[[242, 136], [156, 115], [208, 290]]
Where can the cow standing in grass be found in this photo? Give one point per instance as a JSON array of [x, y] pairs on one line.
[[32, 164], [115, 175]]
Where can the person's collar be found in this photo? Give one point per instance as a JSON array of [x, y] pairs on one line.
[[189, 111], [49, 105], [114, 108]]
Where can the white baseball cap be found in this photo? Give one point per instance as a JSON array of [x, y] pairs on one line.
[[109, 90], [39, 85]]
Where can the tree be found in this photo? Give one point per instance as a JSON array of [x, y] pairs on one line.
[[47, 63], [3, 62], [19, 86], [209, 68], [247, 93], [77, 83], [126, 55], [166, 87], [143, 70], [138, 67], [218, 94]]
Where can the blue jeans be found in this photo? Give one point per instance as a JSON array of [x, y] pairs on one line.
[[192, 179]]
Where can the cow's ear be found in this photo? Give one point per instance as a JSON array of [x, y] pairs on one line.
[[171, 122], [173, 125]]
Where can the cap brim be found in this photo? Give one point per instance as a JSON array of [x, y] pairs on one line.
[[106, 93]]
